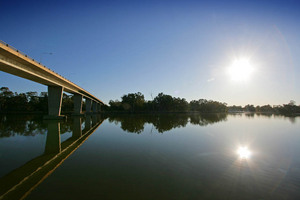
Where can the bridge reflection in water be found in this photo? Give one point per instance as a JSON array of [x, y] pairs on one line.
[[20, 182]]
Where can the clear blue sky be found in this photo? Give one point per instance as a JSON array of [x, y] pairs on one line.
[[181, 48]]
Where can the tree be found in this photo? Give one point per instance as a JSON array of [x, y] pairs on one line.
[[163, 102], [133, 101], [115, 105], [292, 103], [5, 96], [67, 103], [205, 106], [249, 108], [4, 91]]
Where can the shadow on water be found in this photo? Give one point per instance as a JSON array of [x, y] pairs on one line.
[[166, 122], [20, 182]]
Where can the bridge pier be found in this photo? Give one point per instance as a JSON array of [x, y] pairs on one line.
[[94, 107], [77, 131], [77, 104], [94, 120], [88, 105], [87, 123], [53, 144], [98, 107], [54, 102]]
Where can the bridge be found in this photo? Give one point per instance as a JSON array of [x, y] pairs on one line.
[[14, 62]]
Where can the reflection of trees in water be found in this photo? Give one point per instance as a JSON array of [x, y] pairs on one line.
[[26, 125], [204, 120], [165, 122], [135, 123], [292, 120], [250, 115], [268, 115], [66, 126], [130, 123], [12, 125]]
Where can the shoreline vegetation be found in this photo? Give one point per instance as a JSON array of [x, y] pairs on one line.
[[32, 102]]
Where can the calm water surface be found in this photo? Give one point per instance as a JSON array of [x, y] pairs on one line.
[[150, 157]]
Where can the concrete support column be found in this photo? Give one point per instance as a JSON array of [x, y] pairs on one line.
[[87, 123], [54, 100], [53, 137], [77, 131], [99, 107], [94, 120], [77, 104], [94, 107], [88, 105]]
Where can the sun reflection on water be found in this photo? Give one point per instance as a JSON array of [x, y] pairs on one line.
[[244, 152]]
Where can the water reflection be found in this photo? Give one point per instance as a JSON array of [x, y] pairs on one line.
[[21, 181], [292, 120], [190, 163], [77, 127], [268, 115], [12, 125], [163, 123], [53, 138], [204, 120], [27, 125], [244, 152], [250, 115]]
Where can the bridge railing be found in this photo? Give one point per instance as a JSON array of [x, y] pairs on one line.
[[20, 52]]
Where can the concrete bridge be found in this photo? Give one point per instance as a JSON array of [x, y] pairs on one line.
[[17, 63]]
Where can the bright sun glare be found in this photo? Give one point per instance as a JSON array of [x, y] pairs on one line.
[[240, 70], [244, 152]]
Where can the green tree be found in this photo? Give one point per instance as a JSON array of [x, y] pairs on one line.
[[163, 102], [67, 103], [115, 105], [133, 102], [5, 99], [249, 108]]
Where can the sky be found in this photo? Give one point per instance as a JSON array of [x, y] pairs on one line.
[[186, 49]]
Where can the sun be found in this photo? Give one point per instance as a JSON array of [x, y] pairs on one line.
[[240, 70]]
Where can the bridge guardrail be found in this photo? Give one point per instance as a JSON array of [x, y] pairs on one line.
[[20, 52]]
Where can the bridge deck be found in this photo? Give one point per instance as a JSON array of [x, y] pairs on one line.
[[17, 63]]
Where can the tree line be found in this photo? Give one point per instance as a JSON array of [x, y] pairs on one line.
[[134, 103], [11, 102], [290, 108]]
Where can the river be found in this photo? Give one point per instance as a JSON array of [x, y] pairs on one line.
[[170, 156]]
